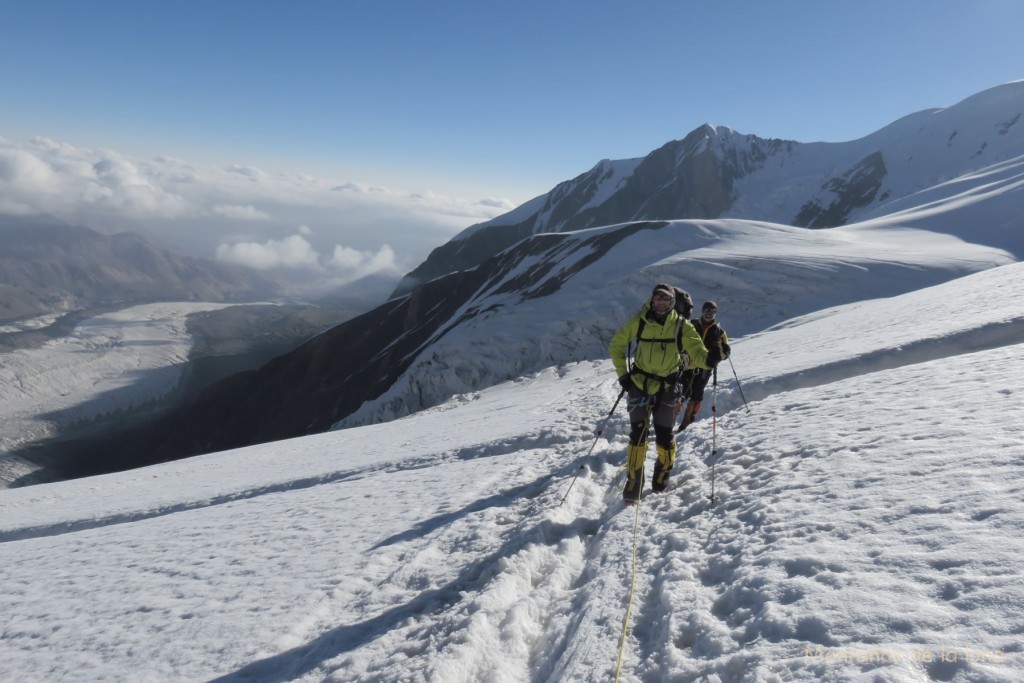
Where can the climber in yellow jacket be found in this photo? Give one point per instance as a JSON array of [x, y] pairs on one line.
[[666, 344]]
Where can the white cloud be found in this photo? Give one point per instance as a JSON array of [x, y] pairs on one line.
[[503, 205], [359, 188], [45, 177], [291, 252], [196, 209], [253, 174], [344, 264], [25, 169], [241, 213], [351, 264]]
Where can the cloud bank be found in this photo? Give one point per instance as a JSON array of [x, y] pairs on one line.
[[318, 232], [294, 252]]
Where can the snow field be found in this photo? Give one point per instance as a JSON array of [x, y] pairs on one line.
[[869, 527]]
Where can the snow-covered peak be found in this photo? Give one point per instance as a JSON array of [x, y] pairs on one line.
[[716, 172]]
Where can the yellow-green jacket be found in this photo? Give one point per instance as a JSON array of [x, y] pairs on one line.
[[657, 352]]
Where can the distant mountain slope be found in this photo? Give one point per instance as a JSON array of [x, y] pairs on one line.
[[47, 266], [552, 299], [715, 172]]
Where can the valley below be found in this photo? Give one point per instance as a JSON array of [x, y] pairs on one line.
[[76, 388]]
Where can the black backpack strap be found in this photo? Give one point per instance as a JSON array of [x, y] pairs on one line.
[[640, 337], [679, 345], [684, 358], [636, 343]]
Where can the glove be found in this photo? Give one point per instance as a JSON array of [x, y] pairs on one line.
[[625, 382], [672, 382], [714, 357]]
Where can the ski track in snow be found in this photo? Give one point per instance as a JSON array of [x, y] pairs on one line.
[[868, 523], [718, 588]]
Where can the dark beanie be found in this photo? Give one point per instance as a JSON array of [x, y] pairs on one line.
[[664, 289], [709, 304]]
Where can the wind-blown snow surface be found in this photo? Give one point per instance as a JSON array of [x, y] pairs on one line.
[[870, 527]]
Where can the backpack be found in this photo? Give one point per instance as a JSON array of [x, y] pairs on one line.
[[684, 304]]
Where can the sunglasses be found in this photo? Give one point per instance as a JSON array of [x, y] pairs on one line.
[[663, 297]]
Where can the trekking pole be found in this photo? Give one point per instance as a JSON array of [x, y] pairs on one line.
[[739, 385], [600, 431], [714, 431]]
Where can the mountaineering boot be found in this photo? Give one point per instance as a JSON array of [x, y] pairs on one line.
[[692, 408], [663, 467], [634, 472]]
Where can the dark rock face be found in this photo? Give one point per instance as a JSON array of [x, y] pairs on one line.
[[689, 178], [855, 188]]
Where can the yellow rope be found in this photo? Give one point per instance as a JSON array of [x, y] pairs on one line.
[[636, 526], [629, 603]]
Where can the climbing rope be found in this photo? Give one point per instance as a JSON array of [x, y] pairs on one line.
[[629, 602], [636, 525]]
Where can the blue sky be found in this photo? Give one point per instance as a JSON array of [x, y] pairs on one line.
[[349, 137], [484, 98]]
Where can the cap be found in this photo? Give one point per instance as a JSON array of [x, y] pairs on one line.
[[709, 304], [663, 288]]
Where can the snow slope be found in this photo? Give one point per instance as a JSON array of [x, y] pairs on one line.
[[869, 526], [759, 274]]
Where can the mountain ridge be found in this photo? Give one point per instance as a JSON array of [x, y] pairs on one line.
[[715, 172]]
